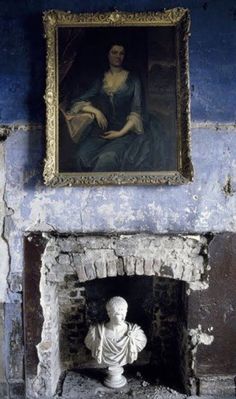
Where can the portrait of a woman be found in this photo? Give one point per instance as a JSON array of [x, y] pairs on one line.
[[117, 109], [114, 105], [117, 99]]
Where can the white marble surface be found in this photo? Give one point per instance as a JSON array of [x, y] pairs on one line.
[[115, 343]]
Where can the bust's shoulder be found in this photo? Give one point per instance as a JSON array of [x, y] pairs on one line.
[[132, 326], [96, 329], [134, 329]]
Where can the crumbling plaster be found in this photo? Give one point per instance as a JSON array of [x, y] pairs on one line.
[[198, 337], [4, 264], [206, 205], [201, 206], [90, 257]]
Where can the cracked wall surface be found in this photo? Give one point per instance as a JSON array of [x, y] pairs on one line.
[[205, 206], [4, 265], [4, 269]]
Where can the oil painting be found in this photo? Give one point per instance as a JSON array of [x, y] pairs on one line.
[[117, 98]]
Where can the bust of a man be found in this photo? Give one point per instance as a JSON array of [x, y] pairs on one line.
[[116, 342]]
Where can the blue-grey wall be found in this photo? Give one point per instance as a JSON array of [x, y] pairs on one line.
[[206, 205], [212, 54]]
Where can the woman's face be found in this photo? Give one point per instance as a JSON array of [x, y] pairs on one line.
[[116, 55]]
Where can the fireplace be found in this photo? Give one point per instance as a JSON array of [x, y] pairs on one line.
[[68, 279]]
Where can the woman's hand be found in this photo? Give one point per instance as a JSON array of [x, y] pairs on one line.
[[112, 134], [101, 119]]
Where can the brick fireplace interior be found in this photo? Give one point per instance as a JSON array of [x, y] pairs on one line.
[[157, 304]]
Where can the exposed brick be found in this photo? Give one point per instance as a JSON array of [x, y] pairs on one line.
[[167, 271], [129, 265], [70, 277], [63, 259], [90, 271], [120, 267], [157, 266], [17, 390], [148, 267], [69, 244], [139, 266], [87, 259], [101, 257], [111, 268], [73, 294], [80, 268], [100, 266]]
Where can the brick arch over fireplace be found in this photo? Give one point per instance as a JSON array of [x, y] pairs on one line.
[[90, 257]]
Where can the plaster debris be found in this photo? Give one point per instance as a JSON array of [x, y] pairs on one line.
[[198, 285], [89, 387], [198, 337]]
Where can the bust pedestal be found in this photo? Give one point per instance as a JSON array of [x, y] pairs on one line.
[[114, 378]]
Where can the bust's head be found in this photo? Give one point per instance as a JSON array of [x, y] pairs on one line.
[[117, 309]]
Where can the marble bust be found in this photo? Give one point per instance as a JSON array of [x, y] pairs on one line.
[[115, 343]]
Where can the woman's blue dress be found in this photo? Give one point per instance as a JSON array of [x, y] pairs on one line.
[[102, 155]]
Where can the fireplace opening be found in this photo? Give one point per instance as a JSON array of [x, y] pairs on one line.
[[158, 305], [68, 280]]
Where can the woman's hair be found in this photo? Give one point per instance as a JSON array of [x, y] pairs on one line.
[[117, 41], [116, 301]]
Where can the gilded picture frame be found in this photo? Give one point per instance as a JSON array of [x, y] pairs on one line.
[[110, 124]]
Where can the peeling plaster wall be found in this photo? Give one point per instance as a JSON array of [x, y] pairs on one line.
[[206, 205], [202, 206], [4, 265], [4, 268], [198, 207], [3, 385]]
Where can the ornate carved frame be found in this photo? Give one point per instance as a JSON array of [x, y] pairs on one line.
[[178, 17]]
